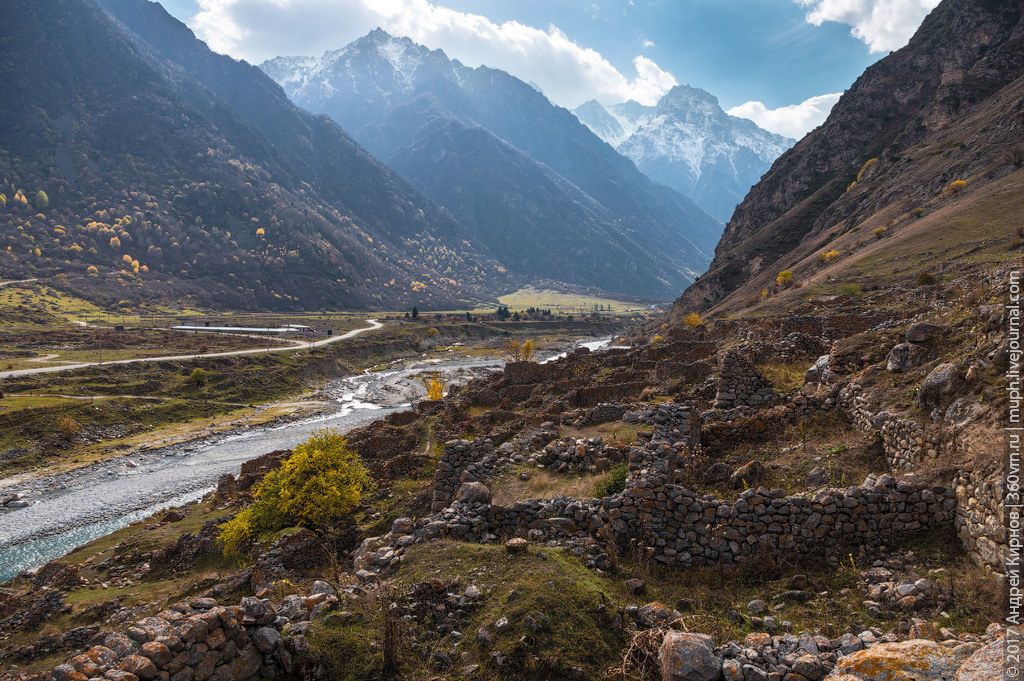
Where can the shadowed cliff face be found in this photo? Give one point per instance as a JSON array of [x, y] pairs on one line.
[[964, 53]]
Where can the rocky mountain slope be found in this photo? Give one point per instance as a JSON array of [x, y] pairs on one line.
[[169, 171], [540, 191], [927, 138], [689, 143]]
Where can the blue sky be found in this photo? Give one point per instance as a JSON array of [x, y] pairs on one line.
[[782, 63]]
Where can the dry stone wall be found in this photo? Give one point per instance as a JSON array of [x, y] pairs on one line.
[[192, 641], [740, 383], [982, 520], [905, 441]]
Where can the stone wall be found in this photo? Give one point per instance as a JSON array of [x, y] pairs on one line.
[[682, 528], [740, 383], [465, 461], [192, 641], [982, 518], [905, 442], [792, 348], [572, 455]]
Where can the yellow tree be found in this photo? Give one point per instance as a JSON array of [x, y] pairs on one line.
[[322, 480]]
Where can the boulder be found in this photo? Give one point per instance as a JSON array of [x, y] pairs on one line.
[[903, 357], [747, 475], [717, 472], [914, 660], [138, 665], [655, 615], [516, 545], [938, 386], [921, 332], [473, 493], [817, 477], [987, 663], [689, 657]]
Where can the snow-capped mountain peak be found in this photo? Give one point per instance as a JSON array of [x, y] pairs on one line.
[[689, 143]]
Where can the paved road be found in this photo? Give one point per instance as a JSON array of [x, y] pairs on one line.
[[374, 325]]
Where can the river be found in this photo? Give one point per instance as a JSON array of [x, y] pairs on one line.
[[73, 508]]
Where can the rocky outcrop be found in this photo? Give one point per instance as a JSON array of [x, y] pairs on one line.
[[963, 53]]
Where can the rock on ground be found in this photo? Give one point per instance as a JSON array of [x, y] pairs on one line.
[[914, 660], [689, 657]]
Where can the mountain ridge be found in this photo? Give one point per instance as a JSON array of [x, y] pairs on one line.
[[688, 142], [161, 185], [391, 93], [888, 153]]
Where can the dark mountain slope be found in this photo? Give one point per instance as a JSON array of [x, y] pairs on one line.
[[569, 187], [173, 171], [900, 112]]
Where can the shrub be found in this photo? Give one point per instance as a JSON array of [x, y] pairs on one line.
[[870, 162], [614, 484], [956, 185], [851, 290], [322, 480], [198, 377], [764, 294], [917, 212], [785, 278], [693, 320], [925, 279], [828, 256], [878, 232], [435, 389], [433, 333], [67, 428], [657, 339], [515, 351]]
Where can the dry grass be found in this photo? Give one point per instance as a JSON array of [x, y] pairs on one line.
[[543, 484], [785, 376]]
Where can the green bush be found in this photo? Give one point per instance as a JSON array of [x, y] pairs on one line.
[[615, 483], [925, 279], [198, 377]]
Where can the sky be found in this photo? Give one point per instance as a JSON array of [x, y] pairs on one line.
[[780, 63]]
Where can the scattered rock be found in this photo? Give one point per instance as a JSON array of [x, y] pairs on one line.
[[688, 657]]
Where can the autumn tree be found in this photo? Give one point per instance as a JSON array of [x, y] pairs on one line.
[[322, 480]]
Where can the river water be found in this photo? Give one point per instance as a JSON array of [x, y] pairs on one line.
[[74, 508]]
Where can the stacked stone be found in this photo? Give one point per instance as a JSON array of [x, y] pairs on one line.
[[602, 413], [905, 442], [744, 423], [192, 641], [792, 348], [465, 461], [569, 454], [693, 372], [46, 607], [761, 657], [688, 530], [741, 383], [684, 529], [982, 519]]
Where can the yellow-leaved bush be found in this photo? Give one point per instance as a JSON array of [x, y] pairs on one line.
[[322, 480]]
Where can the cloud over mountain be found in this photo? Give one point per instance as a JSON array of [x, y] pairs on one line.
[[567, 72], [794, 120]]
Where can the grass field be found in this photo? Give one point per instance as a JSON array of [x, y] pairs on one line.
[[564, 303]]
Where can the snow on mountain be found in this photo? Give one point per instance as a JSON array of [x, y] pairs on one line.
[[689, 143]]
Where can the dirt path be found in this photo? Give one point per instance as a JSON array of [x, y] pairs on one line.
[[374, 325]]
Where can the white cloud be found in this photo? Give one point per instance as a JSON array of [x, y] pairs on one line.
[[568, 73], [883, 25], [795, 120]]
